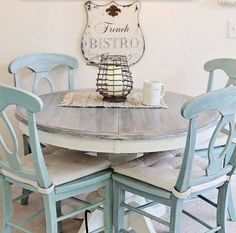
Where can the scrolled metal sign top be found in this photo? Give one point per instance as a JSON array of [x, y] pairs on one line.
[[113, 29]]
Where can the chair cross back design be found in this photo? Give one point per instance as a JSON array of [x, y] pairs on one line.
[[228, 65], [33, 104], [57, 174], [41, 65], [223, 102], [194, 177]]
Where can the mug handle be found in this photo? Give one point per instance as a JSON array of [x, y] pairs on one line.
[[163, 90]]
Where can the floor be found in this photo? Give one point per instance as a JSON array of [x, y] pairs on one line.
[[71, 226]]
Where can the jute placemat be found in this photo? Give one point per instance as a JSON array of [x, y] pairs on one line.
[[95, 100]]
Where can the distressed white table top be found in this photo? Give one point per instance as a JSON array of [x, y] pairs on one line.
[[123, 125]]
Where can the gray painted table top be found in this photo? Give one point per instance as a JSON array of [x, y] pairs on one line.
[[115, 124]]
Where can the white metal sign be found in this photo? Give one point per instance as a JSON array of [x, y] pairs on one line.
[[113, 29]]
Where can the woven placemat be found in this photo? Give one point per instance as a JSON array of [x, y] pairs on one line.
[[95, 100]]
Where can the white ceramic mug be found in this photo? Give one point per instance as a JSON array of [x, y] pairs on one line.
[[153, 91]]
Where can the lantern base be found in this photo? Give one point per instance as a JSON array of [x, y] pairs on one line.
[[116, 99]]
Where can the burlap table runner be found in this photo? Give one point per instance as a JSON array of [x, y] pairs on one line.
[[95, 100]]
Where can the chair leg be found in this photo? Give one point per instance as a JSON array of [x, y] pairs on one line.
[[27, 150], [50, 213], [119, 211], [222, 206], [7, 204], [231, 207], [108, 207], [176, 215], [59, 213], [24, 200]]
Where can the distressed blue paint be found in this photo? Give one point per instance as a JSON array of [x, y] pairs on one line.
[[102, 179], [41, 64], [224, 102], [227, 65]]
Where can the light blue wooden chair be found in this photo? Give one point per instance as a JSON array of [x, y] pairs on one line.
[[228, 66], [57, 176], [41, 65], [171, 180]]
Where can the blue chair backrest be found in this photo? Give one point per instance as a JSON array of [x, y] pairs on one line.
[[224, 102], [228, 65], [12, 164], [41, 65]]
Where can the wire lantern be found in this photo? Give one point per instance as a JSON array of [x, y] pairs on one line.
[[114, 81]]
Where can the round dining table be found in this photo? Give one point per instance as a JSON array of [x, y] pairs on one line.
[[115, 130], [118, 134]]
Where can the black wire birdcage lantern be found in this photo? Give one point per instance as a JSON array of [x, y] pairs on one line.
[[114, 81]]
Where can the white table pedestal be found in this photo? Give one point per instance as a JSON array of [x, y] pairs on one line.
[[133, 221]]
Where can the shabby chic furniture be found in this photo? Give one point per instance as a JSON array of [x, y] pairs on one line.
[[116, 134], [59, 175], [41, 65], [228, 66], [171, 180], [115, 130]]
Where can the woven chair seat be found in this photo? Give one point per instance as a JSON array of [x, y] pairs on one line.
[[160, 169], [67, 165]]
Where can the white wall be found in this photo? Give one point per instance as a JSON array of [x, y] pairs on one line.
[[180, 36]]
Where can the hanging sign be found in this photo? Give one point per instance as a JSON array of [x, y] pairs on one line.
[[113, 29]]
